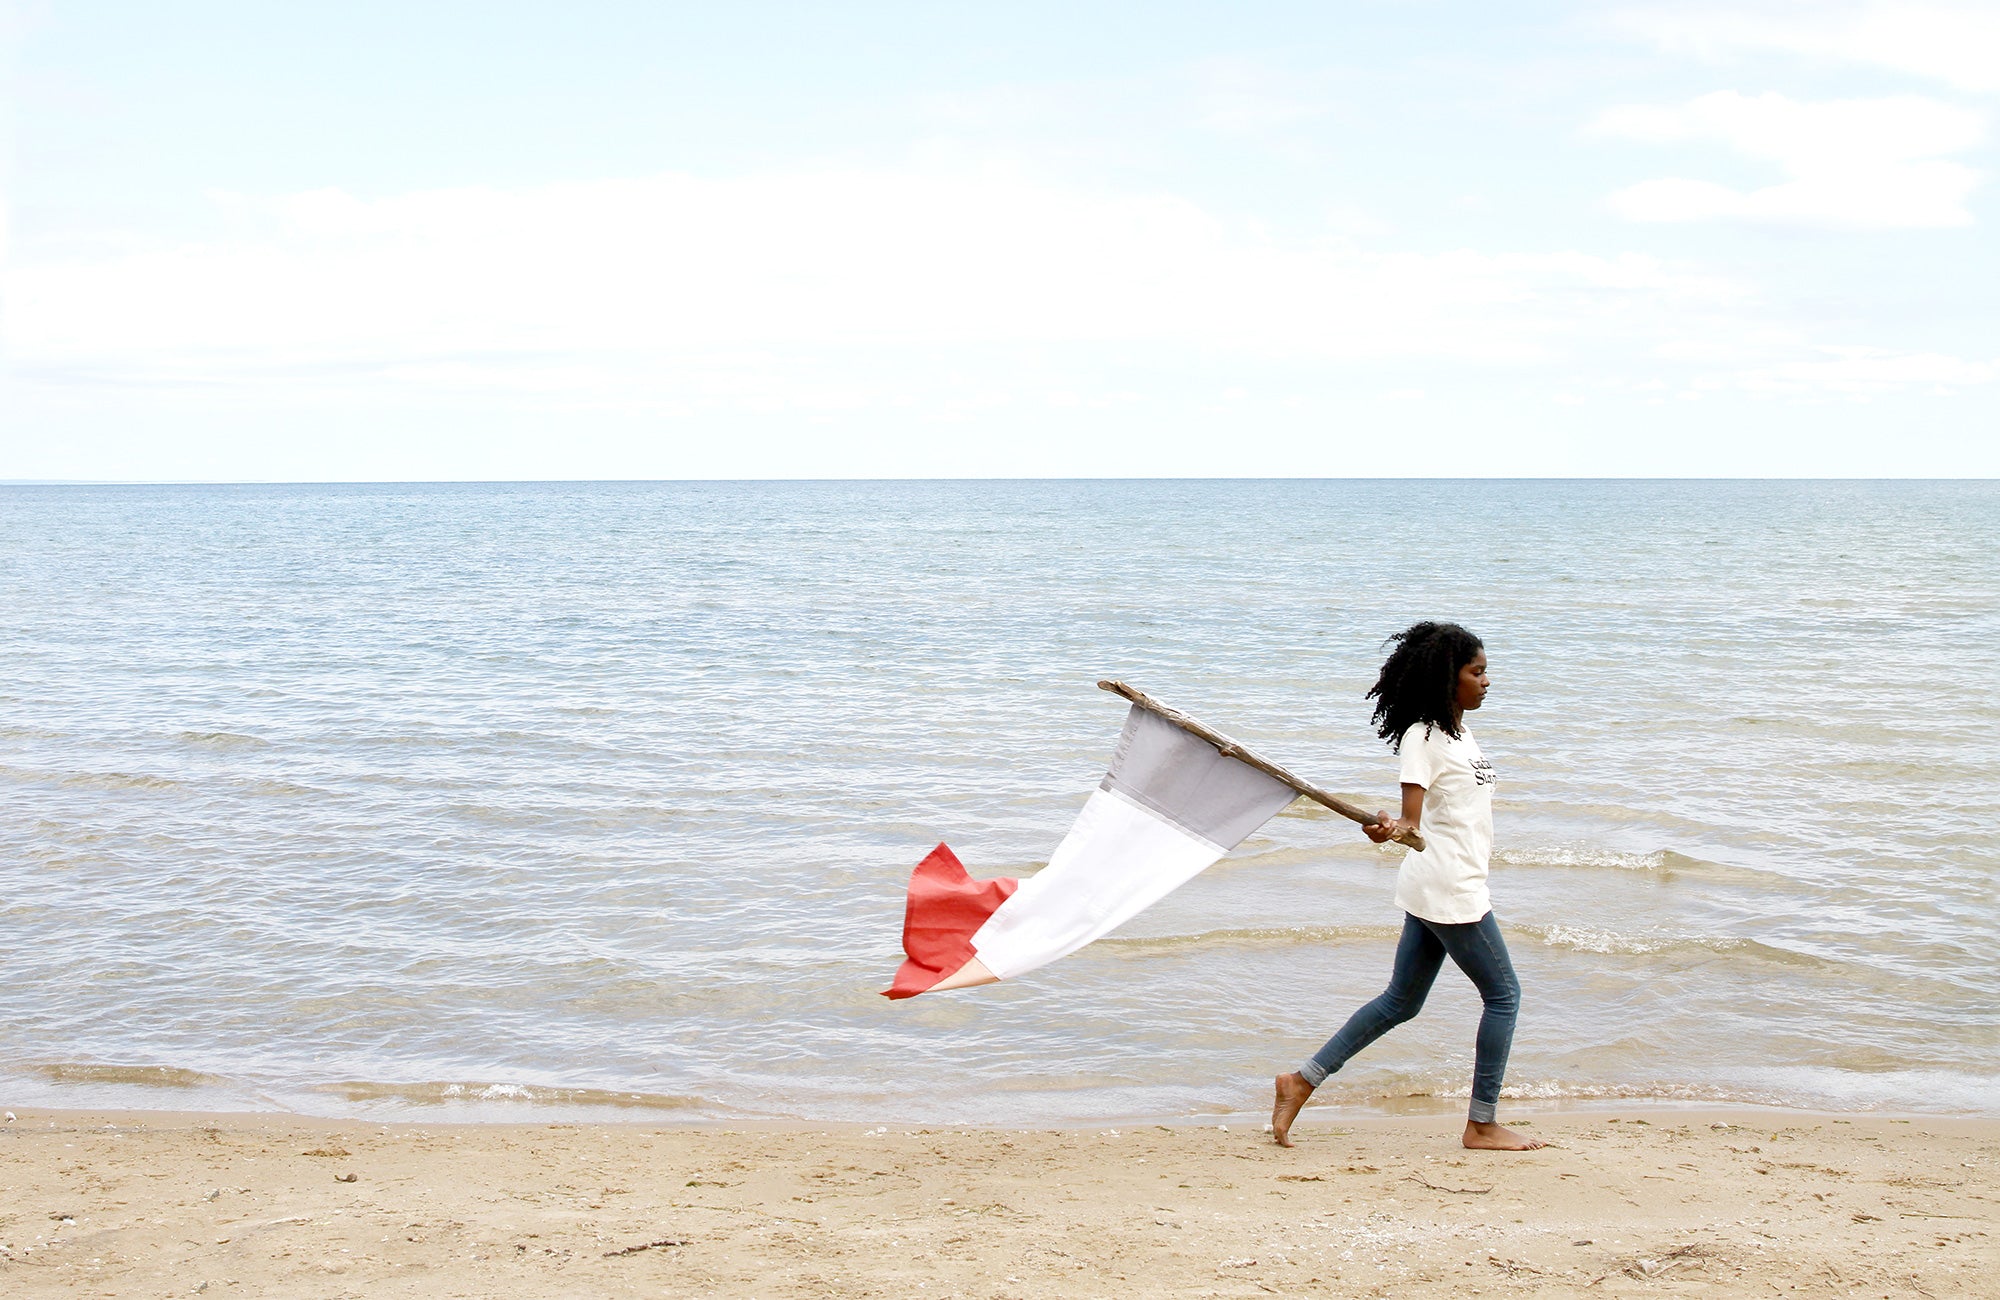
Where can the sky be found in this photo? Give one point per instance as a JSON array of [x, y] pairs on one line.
[[605, 240]]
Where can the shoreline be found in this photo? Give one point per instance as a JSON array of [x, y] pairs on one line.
[[476, 1114], [1627, 1199], [480, 1103]]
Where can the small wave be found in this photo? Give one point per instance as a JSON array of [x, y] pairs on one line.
[[222, 740], [1703, 1093], [1664, 863], [1251, 937], [1552, 1090], [146, 1076], [1820, 1088], [1573, 856], [1259, 854], [444, 1094], [1580, 938], [1399, 1090], [1575, 938], [279, 789], [117, 781], [1313, 810]]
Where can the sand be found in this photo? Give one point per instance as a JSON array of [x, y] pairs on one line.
[[1639, 1201]]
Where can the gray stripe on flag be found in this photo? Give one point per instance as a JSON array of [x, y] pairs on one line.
[[1186, 780]]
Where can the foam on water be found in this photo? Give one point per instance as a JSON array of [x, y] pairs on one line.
[[538, 1098], [1583, 939], [582, 798], [1568, 855], [130, 1076]]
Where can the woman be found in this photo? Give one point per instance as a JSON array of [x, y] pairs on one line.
[[1433, 678]]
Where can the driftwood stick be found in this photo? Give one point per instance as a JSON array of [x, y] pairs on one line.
[[1231, 749]]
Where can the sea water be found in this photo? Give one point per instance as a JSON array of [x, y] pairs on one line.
[[506, 800]]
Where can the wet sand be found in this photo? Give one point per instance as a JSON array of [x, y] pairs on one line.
[[1640, 1201]]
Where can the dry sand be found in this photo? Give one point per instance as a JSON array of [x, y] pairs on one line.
[[1633, 1202]]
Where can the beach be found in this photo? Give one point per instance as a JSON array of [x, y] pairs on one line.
[[485, 890], [1632, 1201]]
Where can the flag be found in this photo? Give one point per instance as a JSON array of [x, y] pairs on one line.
[[1171, 805]]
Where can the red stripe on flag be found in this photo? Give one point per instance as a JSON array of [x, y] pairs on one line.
[[945, 909]]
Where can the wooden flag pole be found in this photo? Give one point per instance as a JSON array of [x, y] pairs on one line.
[[1230, 749]]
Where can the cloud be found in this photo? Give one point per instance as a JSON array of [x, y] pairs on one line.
[[1865, 164], [942, 291], [1956, 44], [1242, 97], [644, 283], [1869, 372]]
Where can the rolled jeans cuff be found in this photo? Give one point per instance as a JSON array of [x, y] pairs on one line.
[[1483, 1112], [1314, 1073]]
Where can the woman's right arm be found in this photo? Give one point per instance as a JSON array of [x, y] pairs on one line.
[[1387, 828]]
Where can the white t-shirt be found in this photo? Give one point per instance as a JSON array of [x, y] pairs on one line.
[[1446, 883]]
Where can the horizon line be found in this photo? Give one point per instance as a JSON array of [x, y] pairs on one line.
[[1020, 478]]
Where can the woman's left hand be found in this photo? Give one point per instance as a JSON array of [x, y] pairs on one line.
[[1384, 829]]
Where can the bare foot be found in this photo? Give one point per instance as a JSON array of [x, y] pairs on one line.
[[1293, 1090], [1492, 1137]]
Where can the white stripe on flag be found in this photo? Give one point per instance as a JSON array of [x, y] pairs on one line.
[[1118, 860]]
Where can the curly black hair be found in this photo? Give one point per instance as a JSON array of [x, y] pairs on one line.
[[1419, 681]]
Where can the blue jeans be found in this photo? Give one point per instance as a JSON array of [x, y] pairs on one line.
[[1481, 953]]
